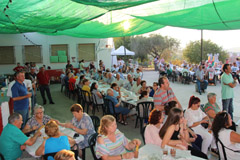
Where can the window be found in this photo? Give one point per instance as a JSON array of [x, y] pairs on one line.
[[59, 53], [59, 47], [32, 54], [7, 55], [86, 52]]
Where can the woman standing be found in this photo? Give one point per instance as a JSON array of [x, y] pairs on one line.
[[111, 143], [196, 118]]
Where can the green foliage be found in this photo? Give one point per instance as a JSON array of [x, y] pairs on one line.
[[192, 52], [154, 45], [122, 41]]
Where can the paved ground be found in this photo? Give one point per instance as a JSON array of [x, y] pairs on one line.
[[183, 92]]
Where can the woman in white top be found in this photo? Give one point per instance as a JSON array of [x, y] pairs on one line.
[[195, 118], [229, 138]]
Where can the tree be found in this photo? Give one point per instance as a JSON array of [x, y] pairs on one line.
[[154, 45], [122, 41], [137, 45], [192, 52]]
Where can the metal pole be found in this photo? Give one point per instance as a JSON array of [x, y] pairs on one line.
[[201, 46]]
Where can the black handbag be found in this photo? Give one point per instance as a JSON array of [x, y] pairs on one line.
[[205, 125]]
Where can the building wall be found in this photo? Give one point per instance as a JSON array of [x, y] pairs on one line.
[[18, 41]]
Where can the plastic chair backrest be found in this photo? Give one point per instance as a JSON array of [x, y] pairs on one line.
[[223, 149], [96, 122], [1, 157], [185, 74], [142, 134], [86, 96], [144, 108], [45, 156], [108, 103], [92, 141], [211, 75]]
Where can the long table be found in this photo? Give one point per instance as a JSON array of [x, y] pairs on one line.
[[127, 96], [32, 149], [154, 152]]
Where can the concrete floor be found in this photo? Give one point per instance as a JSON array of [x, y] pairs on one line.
[[61, 109]]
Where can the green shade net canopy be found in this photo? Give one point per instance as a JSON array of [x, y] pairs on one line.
[[115, 18]]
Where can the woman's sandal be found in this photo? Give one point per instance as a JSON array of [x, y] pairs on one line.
[[125, 123]]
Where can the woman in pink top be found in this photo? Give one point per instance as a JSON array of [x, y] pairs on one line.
[[151, 134]]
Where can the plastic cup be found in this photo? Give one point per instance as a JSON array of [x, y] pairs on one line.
[[165, 151], [173, 152]]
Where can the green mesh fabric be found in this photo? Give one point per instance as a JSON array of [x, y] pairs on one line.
[[106, 18], [113, 4]]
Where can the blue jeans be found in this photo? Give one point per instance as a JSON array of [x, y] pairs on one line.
[[33, 100], [228, 106], [24, 114], [199, 85]]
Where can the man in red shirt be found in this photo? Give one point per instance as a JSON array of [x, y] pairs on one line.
[[18, 68], [44, 81]]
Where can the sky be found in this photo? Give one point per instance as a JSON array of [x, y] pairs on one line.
[[229, 40]]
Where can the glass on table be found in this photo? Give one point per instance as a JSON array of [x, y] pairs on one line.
[[173, 152], [165, 151]]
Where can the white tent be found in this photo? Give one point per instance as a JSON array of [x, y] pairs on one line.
[[121, 52]]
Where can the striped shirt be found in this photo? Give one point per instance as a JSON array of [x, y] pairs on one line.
[[161, 96], [111, 148]]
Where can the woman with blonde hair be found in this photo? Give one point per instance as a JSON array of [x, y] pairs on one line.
[[111, 143], [56, 141], [64, 155]]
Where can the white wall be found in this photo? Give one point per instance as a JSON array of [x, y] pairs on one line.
[[18, 41]]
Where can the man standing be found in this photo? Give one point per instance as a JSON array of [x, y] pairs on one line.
[[164, 94], [13, 140], [43, 82], [20, 96], [227, 83], [18, 68], [200, 79], [69, 65]]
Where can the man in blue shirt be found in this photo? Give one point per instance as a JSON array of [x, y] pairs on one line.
[[21, 97], [117, 106], [13, 140]]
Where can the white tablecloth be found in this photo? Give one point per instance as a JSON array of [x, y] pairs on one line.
[[154, 152], [5, 113], [32, 149], [127, 96]]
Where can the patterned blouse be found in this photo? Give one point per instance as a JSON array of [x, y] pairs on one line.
[[112, 148], [208, 106], [33, 122], [84, 123]]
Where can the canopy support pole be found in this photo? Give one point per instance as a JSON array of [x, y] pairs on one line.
[[201, 46]]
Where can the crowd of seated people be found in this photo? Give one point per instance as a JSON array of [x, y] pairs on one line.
[[208, 74], [167, 125]]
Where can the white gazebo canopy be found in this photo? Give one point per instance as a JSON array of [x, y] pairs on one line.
[[121, 52]]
